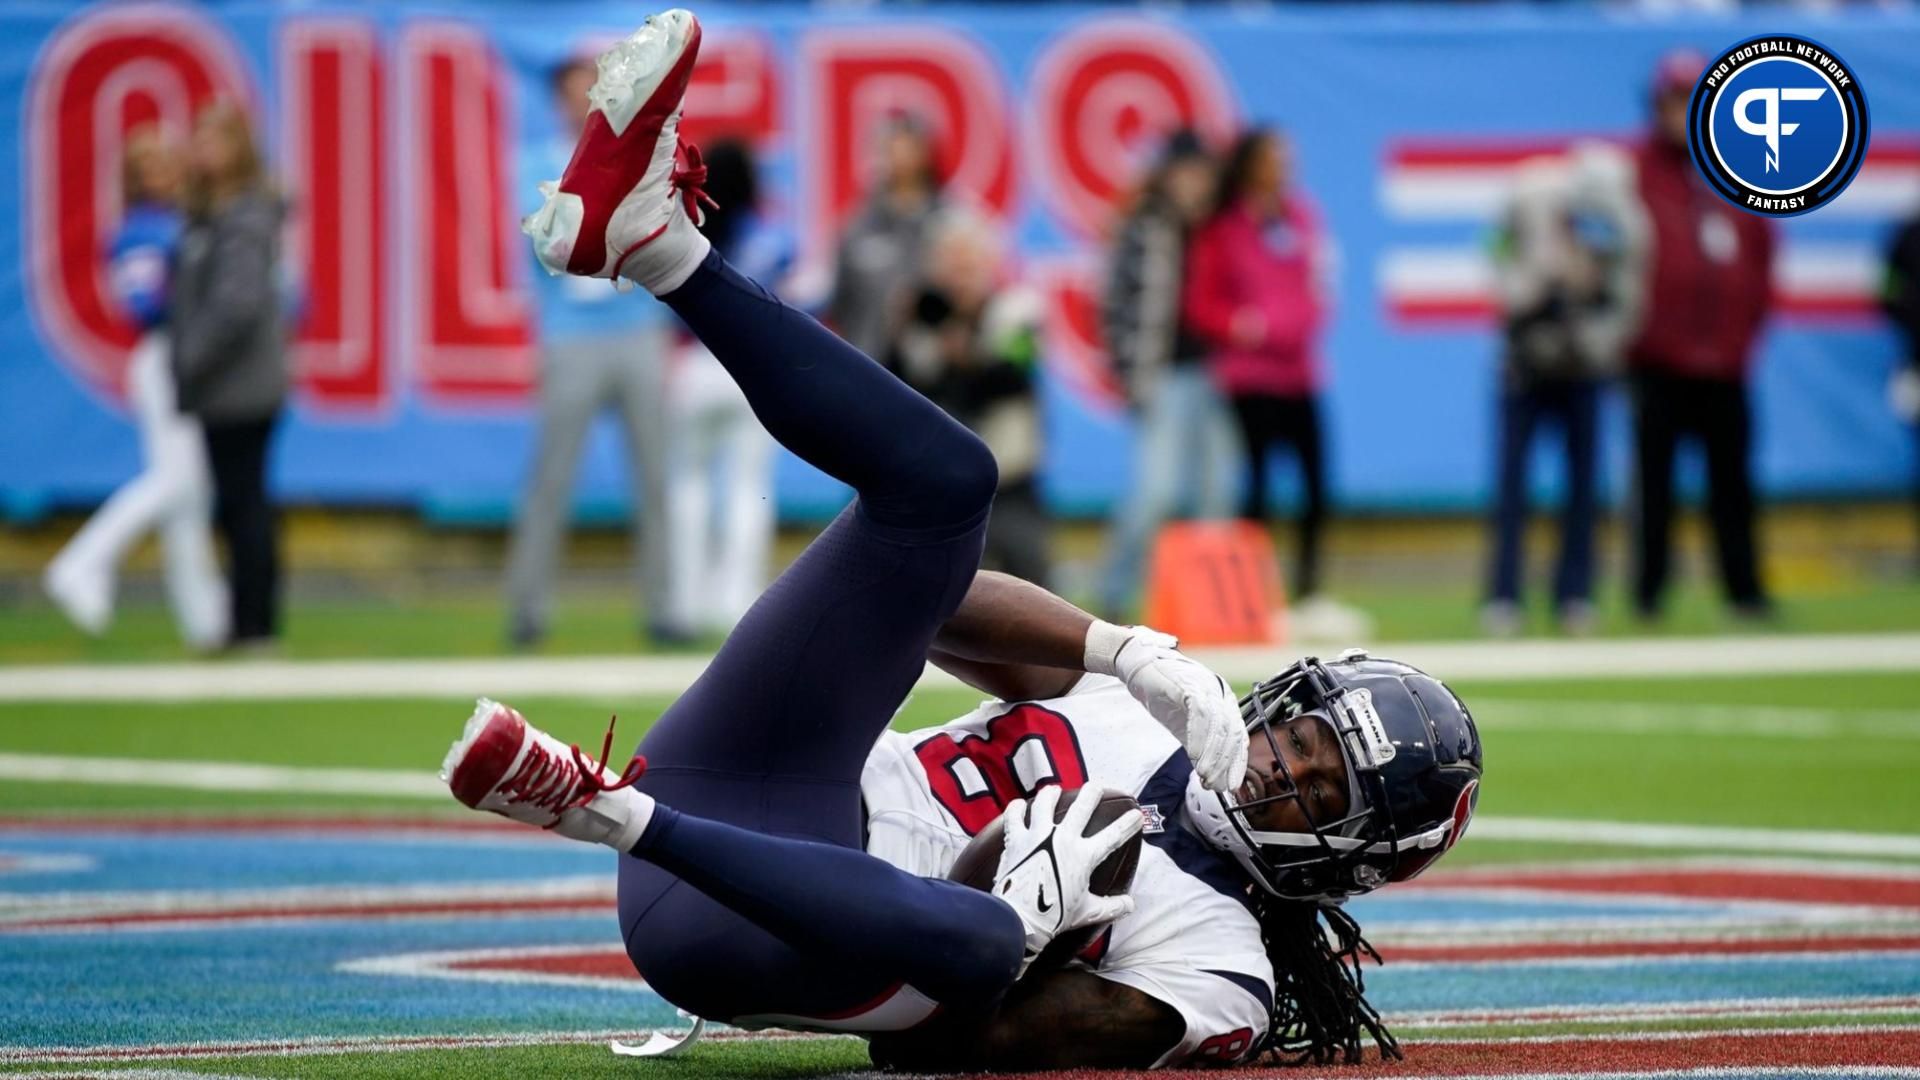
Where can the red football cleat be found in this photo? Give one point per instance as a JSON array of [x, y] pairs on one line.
[[505, 765], [629, 200]]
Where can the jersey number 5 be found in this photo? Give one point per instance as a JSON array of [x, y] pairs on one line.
[[1024, 749]]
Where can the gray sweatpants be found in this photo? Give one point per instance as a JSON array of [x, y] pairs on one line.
[[578, 378]]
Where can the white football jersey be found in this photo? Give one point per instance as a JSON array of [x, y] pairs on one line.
[[1191, 941]]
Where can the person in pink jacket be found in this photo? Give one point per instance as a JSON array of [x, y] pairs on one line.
[[1254, 293]]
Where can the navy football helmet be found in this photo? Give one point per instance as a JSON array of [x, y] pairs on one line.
[[1413, 771]]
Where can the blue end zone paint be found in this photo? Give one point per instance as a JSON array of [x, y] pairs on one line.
[[221, 980], [1641, 982], [147, 861], [273, 982], [1384, 910]]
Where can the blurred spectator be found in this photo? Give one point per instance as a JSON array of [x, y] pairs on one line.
[[1186, 449], [174, 490], [600, 350], [971, 344], [229, 352], [880, 252], [1902, 301], [719, 470], [1569, 263], [1710, 274], [1256, 292]]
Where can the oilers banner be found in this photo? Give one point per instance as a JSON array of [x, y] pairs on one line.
[[402, 134]]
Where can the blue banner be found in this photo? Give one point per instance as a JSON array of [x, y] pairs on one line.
[[407, 136]]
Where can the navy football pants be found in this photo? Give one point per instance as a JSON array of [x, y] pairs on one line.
[[749, 893]]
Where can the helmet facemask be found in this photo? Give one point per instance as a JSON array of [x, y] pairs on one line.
[[1333, 859]]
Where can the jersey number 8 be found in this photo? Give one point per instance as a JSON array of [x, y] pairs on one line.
[[1024, 749]]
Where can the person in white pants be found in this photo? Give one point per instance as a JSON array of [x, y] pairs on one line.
[[719, 460], [173, 493], [719, 497]]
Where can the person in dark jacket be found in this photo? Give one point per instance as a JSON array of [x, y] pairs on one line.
[[1902, 302], [1707, 296], [1187, 454], [880, 256], [971, 345], [229, 354], [174, 490]]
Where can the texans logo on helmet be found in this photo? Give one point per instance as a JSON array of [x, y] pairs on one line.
[[1463, 812]]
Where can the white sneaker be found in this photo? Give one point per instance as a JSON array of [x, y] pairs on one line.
[[1321, 618], [507, 766], [1502, 619], [85, 599], [629, 200]]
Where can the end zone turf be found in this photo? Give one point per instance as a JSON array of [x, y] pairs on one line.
[[264, 946], [414, 944]]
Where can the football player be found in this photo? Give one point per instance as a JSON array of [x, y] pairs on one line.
[[1360, 772], [786, 855]]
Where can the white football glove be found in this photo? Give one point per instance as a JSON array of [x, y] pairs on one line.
[[1183, 694], [1045, 869]]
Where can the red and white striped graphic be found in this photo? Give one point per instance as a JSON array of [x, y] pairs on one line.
[[1464, 181], [1070, 285]]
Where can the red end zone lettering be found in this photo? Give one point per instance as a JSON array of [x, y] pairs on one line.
[[860, 78], [1076, 350], [333, 104], [463, 256], [1104, 95], [735, 91]]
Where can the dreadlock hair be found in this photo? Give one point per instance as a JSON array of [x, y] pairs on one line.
[[1320, 1008]]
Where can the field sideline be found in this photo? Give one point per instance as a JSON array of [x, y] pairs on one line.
[[299, 900], [593, 676]]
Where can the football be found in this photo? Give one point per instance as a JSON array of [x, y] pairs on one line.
[[980, 860]]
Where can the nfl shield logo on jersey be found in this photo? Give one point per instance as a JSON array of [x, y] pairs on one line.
[[1156, 821]]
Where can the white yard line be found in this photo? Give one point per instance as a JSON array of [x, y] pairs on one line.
[[223, 776], [1608, 658], [425, 786], [627, 676], [1689, 720]]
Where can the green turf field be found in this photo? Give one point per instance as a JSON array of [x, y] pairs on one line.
[[584, 622], [1829, 751]]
